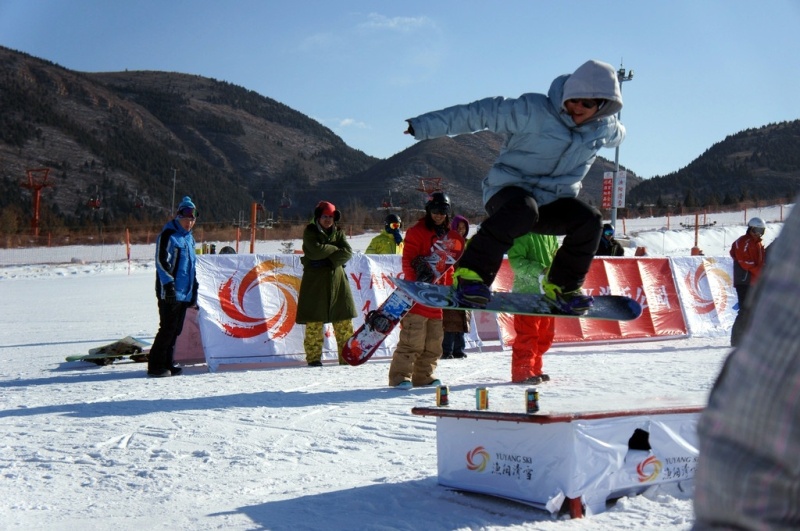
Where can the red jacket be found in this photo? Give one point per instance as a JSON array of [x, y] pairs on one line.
[[418, 242], [748, 259]]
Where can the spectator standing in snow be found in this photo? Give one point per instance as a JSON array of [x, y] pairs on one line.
[[176, 287], [748, 473], [419, 344], [748, 259], [325, 295], [456, 322], [530, 256], [609, 246], [390, 241], [551, 142]]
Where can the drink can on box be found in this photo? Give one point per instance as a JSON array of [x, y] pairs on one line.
[[481, 398], [442, 396], [532, 400]]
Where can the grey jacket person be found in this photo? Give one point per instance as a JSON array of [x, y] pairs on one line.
[[545, 153]]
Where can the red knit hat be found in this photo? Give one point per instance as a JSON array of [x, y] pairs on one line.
[[325, 208]]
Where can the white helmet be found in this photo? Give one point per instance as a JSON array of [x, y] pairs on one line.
[[757, 225]]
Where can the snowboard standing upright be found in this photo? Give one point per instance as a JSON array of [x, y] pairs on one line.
[[608, 307], [379, 323]]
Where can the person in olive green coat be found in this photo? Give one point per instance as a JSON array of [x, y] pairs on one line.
[[325, 295]]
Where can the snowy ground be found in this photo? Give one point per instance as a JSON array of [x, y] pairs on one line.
[[288, 448]]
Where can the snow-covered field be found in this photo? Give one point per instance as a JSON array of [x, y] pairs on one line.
[[288, 448]]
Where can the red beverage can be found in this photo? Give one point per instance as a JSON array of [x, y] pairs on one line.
[[531, 401], [442, 396], [481, 398]]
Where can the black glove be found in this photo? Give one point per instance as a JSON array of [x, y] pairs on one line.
[[422, 269], [195, 290], [169, 293]]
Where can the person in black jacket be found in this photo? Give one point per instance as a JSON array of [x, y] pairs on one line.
[[608, 246]]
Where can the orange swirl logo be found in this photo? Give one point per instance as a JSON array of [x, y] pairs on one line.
[[704, 300], [477, 459], [654, 466], [282, 291]]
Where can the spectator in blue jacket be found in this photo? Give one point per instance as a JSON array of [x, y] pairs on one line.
[[551, 142], [176, 287]]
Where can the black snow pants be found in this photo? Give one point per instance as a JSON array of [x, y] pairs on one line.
[[743, 315], [171, 316], [513, 212]]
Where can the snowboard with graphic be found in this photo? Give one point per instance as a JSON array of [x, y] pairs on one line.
[[131, 347], [379, 323], [606, 307]]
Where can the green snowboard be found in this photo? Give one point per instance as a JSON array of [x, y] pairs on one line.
[[135, 349]]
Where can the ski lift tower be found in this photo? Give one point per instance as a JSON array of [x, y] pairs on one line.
[[37, 179], [430, 185]]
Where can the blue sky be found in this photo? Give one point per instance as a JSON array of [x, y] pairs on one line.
[[703, 69]]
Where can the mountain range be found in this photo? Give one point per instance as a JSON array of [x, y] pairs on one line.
[[120, 145]]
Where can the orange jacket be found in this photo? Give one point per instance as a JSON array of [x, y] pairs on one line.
[[748, 259], [419, 242]]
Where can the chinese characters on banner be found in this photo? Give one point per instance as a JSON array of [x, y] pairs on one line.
[[608, 188], [619, 189]]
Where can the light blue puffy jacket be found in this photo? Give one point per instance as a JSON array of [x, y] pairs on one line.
[[545, 152]]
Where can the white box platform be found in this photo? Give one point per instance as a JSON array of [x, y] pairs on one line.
[[572, 460]]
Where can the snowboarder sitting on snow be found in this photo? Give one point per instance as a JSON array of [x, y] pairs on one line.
[[176, 287], [552, 141], [608, 245], [390, 241]]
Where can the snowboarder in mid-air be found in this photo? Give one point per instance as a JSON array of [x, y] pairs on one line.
[[552, 141]]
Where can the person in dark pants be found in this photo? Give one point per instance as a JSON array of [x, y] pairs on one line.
[[551, 142], [176, 287], [748, 255]]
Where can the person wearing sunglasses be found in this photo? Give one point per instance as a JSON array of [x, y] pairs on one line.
[[551, 142], [176, 287], [325, 295], [608, 245], [748, 255], [419, 344], [390, 240]]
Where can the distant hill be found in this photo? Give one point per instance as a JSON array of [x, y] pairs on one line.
[[755, 164], [118, 136], [115, 140]]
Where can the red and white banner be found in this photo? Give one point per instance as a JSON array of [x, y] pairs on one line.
[[647, 280], [705, 285], [248, 305]]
